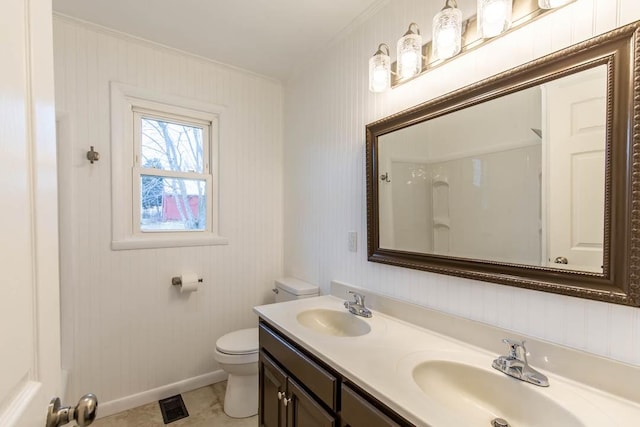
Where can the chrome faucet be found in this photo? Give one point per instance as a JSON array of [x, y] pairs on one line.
[[357, 305], [515, 364]]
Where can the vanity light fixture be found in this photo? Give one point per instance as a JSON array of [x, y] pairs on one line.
[[552, 4], [380, 70], [494, 17], [410, 52], [447, 31], [452, 36]]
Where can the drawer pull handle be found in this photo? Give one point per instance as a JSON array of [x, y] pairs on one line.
[[280, 395], [286, 401]]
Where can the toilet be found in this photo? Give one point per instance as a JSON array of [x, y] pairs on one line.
[[237, 354]]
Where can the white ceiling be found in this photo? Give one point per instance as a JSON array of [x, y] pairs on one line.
[[264, 36]]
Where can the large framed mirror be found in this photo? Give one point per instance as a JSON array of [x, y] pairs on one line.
[[530, 178]]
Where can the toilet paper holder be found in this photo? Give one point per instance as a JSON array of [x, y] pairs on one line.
[[177, 281]]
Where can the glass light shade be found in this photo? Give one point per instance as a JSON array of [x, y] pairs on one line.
[[494, 17], [410, 53], [552, 4], [447, 33], [380, 70]]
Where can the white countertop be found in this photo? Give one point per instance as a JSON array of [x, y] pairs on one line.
[[382, 362]]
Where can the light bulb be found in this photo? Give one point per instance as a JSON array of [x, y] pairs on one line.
[[380, 70], [410, 53], [494, 17], [447, 32], [409, 61]]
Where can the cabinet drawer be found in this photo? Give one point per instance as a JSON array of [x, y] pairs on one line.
[[314, 377], [359, 412]]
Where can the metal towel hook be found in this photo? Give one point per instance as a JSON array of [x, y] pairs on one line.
[[92, 155]]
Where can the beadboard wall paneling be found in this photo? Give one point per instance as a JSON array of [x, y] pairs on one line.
[[327, 106], [125, 329]]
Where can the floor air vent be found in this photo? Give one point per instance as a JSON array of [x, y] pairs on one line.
[[173, 409]]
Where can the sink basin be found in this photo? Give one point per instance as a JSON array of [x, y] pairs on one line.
[[480, 395], [332, 322]]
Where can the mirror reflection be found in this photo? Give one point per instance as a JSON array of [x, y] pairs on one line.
[[518, 179]]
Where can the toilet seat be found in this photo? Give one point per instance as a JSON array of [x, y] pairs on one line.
[[235, 359], [237, 343]]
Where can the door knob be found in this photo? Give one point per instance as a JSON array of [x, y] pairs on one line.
[[561, 260], [83, 414]]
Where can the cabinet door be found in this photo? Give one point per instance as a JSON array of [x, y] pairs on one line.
[[358, 412], [272, 391], [303, 410], [319, 381]]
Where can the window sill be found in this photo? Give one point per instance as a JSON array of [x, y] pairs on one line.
[[167, 242]]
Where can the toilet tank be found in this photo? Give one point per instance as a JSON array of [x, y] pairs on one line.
[[290, 288]]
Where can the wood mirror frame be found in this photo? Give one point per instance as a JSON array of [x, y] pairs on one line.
[[619, 282]]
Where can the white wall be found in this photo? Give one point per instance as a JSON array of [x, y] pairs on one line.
[[326, 109], [495, 125], [125, 330]]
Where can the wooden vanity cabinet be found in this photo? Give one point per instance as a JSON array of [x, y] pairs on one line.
[[297, 390], [283, 403], [356, 411], [273, 387], [304, 411]]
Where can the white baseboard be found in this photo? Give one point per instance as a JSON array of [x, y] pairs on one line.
[[114, 406]]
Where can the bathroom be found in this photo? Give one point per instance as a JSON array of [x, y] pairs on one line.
[[292, 186]]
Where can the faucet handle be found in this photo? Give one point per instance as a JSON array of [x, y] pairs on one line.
[[359, 298], [514, 345]]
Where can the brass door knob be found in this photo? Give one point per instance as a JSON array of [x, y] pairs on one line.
[[84, 413]]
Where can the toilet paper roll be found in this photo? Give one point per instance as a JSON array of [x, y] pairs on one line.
[[190, 282]]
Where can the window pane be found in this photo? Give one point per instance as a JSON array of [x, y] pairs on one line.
[[172, 204], [171, 146]]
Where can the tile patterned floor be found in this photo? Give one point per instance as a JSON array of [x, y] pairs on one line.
[[204, 406]]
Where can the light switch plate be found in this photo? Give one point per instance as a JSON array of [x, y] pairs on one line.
[[353, 241]]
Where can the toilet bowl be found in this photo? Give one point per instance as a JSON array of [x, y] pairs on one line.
[[237, 354]]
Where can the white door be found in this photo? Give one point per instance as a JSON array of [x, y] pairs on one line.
[[29, 305], [575, 131]]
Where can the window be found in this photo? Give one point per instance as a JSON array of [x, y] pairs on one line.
[[164, 170], [171, 173]]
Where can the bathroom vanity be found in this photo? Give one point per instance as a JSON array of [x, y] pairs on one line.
[[322, 366], [327, 398]]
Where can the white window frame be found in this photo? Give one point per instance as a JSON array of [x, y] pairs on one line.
[[128, 105]]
